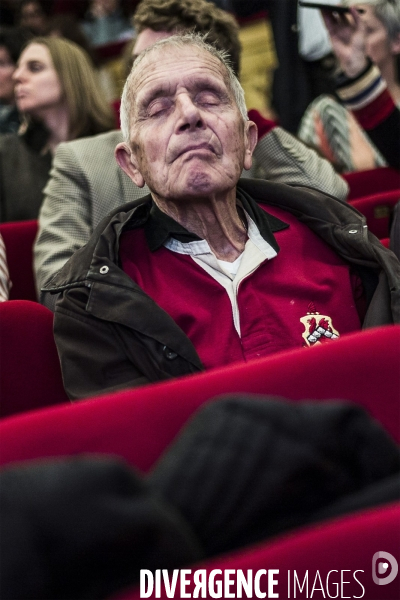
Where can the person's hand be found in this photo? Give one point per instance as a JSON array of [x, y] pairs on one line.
[[347, 33]]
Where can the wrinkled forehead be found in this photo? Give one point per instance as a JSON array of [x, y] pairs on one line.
[[168, 64]]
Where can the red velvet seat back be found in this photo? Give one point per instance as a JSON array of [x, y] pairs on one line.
[[342, 546], [19, 238], [378, 208], [372, 181], [30, 375], [138, 424]]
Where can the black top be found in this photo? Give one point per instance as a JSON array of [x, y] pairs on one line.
[[159, 226]]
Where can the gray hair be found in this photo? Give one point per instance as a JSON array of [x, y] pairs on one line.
[[388, 13], [179, 41]]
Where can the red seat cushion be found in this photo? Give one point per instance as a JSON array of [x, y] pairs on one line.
[[377, 209], [343, 547], [19, 238], [138, 424], [30, 370], [372, 181]]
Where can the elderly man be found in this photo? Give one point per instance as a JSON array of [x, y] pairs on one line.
[[208, 269], [86, 183]]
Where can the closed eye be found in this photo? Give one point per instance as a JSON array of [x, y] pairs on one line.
[[158, 106], [208, 97], [35, 66]]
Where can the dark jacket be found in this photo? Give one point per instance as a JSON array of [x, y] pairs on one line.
[[111, 335], [24, 171]]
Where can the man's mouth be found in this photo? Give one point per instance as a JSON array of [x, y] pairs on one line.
[[204, 148]]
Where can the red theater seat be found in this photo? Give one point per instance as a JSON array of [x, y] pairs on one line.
[[378, 209], [30, 374], [344, 547], [18, 239], [138, 424], [110, 50], [373, 181]]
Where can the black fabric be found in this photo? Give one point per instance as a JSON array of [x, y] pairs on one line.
[[81, 528], [24, 171], [291, 92], [321, 75], [386, 138], [395, 231], [160, 226], [244, 470]]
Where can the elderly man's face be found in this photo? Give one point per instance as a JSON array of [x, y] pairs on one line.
[[188, 138]]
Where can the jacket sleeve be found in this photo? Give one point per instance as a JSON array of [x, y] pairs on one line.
[[94, 359], [281, 158], [369, 100], [64, 219]]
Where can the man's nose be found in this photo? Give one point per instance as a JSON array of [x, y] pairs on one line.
[[189, 115]]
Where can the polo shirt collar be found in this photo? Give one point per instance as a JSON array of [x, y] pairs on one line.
[[160, 227]]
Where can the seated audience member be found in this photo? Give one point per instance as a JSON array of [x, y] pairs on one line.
[[68, 27], [57, 93], [106, 22], [34, 15], [86, 184], [12, 39], [5, 283], [367, 45], [208, 269]]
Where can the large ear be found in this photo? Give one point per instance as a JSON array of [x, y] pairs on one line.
[[126, 160], [251, 138]]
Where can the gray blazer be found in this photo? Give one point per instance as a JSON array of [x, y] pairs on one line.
[[86, 184]]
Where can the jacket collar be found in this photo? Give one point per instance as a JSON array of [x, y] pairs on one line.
[[159, 227], [319, 211], [96, 265]]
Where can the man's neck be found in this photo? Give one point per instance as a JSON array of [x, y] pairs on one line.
[[215, 220]]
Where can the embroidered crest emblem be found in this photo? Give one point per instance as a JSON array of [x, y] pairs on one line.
[[317, 327]]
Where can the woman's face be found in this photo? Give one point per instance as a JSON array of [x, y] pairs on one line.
[[7, 68], [378, 47], [37, 86]]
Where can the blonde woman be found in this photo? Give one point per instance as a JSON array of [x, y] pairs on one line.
[[56, 91]]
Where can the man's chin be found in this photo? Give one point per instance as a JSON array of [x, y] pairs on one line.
[[200, 181], [195, 184]]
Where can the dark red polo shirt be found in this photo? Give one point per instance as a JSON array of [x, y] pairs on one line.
[[307, 276]]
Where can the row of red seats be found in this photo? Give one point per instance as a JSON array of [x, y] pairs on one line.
[[138, 425], [375, 193]]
